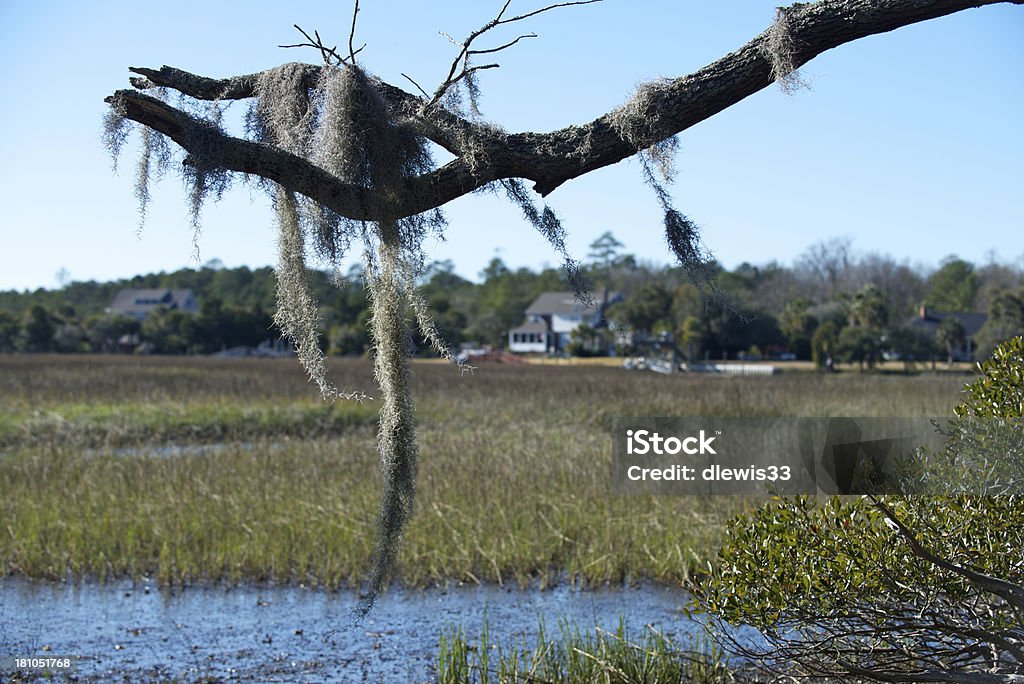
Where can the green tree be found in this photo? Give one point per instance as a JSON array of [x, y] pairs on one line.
[[692, 336], [950, 336], [952, 287], [169, 331], [911, 345], [1005, 321], [999, 391], [37, 330], [645, 309], [105, 331], [450, 297], [733, 331], [825, 344], [9, 329], [70, 338], [585, 340], [860, 345], [604, 251], [868, 309], [798, 326], [349, 339]]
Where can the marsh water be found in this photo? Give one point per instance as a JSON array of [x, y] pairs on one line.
[[135, 632]]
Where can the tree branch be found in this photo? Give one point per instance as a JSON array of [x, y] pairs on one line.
[[465, 51], [203, 141], [352, 32], [1012, 593], [547, 159]]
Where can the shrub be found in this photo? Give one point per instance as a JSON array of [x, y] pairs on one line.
[[898, 589]]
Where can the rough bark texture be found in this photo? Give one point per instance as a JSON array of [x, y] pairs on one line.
[[485, 154]]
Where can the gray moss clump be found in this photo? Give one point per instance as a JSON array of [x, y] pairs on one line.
[[547, 224], [396, 437], [638, 120], [778, 47], [297, 314], [345, 127], [116, 129]]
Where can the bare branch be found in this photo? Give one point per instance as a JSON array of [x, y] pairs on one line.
[[501, 47], [472, 70], [326, 53], [352, 33], [418, 87], [450, 39], [539, 11], [464, 52], [315, 42]]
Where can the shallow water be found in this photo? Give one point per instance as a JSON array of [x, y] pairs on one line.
[[137, 633]]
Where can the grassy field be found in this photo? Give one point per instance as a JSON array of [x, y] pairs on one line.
[[514, 470]]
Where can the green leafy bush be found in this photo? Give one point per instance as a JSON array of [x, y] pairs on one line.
[[921, 588], [999, 392]]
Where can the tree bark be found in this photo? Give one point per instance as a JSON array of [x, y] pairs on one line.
[[485, 154]]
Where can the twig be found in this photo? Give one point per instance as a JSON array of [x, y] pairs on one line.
[[465, 51], [450, 39], [472, 70], [352, 33], [501, 47], [542, 9], [418, 87], [326, 52]]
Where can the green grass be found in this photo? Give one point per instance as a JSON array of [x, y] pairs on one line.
[[514, 471], [603, 657]]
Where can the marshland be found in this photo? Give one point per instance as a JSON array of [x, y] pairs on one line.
[[185, 474]]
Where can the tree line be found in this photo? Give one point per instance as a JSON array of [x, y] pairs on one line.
[[831, 302]]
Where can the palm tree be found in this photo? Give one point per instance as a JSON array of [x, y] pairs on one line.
[[951, 335]]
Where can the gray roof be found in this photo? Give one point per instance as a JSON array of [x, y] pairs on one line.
[[141, 302], [566, 303], [971, 321], [538, 327]]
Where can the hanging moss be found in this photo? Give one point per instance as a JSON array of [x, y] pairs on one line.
[[116, 129], [778, 47], [345, 127]]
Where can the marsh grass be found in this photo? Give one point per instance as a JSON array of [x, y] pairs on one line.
[[570, 655], [514, 483]]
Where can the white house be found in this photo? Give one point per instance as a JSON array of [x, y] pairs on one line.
[[551, 319], [140, 303]]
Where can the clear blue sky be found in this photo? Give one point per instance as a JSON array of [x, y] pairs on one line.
[[909, 143]]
